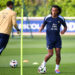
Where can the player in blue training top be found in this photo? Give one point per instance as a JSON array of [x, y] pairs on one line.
[[53, 23]]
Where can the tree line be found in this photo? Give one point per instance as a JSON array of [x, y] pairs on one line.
[[41, 8]]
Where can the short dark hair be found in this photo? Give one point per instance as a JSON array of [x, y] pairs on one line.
[[10, 3], [59, 9]]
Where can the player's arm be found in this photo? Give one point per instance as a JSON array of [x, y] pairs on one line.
[[65, 27], [64, 30], [14, 23], [41, 28], [43, 25]]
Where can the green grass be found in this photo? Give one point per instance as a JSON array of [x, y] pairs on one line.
[[12, 51], [34, 50]]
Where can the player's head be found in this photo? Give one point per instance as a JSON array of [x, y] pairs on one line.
[[55, 10], [10, 4]]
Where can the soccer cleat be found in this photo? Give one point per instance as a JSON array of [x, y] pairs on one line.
[[57, 71]]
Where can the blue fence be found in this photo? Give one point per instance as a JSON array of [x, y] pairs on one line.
[[34, 25]]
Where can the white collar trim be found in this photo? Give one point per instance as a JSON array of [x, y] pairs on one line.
[[8, 8]]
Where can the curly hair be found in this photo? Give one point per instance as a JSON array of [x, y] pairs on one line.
[[59, 9]]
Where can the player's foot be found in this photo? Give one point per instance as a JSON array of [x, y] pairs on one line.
[[57, 71]]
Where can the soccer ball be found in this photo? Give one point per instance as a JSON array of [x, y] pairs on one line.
[[42, 70], [13, 63]]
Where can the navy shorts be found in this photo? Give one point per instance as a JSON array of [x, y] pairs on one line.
[[3, 41], [54, 44]]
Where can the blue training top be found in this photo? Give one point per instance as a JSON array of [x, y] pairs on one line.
[[53, 26]]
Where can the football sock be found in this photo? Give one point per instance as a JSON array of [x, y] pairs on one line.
[[44, 64], [57, 67]]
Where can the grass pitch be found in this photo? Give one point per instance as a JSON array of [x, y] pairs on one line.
[[12, 51], [34, 51]]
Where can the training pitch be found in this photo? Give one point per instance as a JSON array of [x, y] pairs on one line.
[[34, 51]]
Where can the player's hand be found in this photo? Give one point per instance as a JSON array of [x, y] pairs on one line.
[[18, 31], [39, 30], [62, 32]]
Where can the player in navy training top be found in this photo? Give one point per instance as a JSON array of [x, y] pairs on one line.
[[53, 23]]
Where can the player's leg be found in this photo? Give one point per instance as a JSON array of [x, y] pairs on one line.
[[58, 46], [58, 55], [58, 59], [50, 54], [47, 57], [3, 42], [1, 45], [50, 47]]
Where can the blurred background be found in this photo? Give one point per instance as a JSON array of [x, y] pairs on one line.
[[34, 12], [34, 43], [40, 8]]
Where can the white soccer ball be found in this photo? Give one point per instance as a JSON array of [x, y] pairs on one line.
[[13, 63], [42, 70]]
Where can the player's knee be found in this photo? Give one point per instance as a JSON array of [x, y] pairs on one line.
[[50, 54]]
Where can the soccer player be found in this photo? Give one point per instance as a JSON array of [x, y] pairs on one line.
[[53, 38], [7, 21]]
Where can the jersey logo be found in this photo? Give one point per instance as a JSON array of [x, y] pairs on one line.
[[54, 27]]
